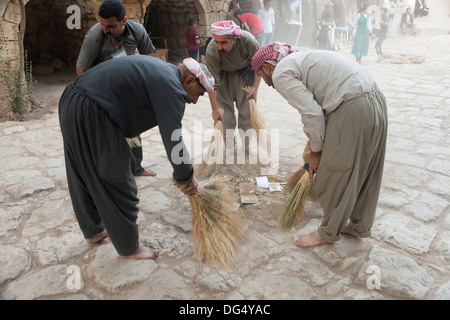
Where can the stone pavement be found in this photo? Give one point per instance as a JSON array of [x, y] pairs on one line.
[[44, 256]]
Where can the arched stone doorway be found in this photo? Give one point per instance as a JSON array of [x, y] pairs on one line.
[[167, 21], [49, 43]]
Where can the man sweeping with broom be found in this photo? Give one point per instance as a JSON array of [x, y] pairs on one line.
[[345, 119], [97, 112], [228, 57]]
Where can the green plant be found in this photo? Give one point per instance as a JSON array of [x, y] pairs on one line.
[[17, 81]]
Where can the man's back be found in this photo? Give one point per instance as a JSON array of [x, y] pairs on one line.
[[345, 79], [138, 92]]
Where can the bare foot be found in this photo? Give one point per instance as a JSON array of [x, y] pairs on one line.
[[97, 237], [143, 252], [146, 173], [310, 240], [346, 230]]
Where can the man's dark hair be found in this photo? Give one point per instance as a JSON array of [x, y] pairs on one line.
[[112, 8]]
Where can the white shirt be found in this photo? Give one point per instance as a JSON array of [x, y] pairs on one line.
[[267, 18], [316, 83]]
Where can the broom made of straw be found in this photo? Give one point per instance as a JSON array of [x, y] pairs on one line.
[[134, 142], [214, 156], [295, 204], [257, 122], [295, 177], [216, 229]]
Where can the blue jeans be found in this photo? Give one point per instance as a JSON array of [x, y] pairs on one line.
[[266, 39]]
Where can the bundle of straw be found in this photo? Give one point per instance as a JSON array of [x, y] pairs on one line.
[[257, 122], [295, 204], [216, 229], [298, 174], [295, 177], [134, 142], [214, 156]]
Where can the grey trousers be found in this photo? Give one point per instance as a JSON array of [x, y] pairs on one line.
[[348, 180], [99, 167], [231, 91]]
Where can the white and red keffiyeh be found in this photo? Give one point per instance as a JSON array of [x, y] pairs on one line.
[[197, 70], [225, 29], [271, 53]]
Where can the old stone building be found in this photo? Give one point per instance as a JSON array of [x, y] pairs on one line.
[[52, 31]]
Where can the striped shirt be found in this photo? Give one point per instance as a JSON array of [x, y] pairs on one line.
[[97, 46]]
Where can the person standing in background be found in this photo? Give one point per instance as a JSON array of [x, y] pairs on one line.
[[115, 37], [391, 11], [339, 13], [267, 17], [361, 33], [193, 40], [384, 31], [326, 24]]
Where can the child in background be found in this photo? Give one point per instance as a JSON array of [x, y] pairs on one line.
[[193, 40]]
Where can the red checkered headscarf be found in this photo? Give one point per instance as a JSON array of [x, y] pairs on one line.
[[198, 70], [225, 29], [271, 53]]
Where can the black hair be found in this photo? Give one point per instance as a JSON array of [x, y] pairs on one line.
[[193, 21], [112, 8]]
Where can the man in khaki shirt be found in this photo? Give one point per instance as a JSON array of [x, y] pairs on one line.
[[345, 119], [228, 57]]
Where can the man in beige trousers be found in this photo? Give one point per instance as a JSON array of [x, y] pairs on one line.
[[345, 119], [228, 57]]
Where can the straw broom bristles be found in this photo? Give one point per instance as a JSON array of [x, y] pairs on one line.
[[294, 206], [296, 176], [134, 142], [257, 122], [214, 156], [216, 229]]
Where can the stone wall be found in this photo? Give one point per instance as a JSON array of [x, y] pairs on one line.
[[9, 34], [51, 45], [47, 36]]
